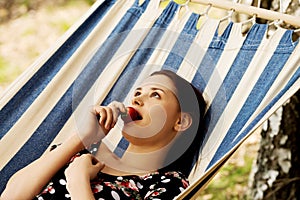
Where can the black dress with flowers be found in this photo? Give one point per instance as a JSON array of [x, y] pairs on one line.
[[156, 185]]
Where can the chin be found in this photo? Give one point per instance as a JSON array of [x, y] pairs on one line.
[[131, 139]]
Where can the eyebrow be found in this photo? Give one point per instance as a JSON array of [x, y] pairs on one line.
[[153, 88]]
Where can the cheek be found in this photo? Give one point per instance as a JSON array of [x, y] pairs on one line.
[[172, 110]]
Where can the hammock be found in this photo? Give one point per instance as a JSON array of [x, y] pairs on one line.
[[244, 78]]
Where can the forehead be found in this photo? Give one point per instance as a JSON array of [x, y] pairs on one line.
[[159, 80]]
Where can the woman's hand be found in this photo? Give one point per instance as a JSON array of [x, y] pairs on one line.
[[108, 115], [79, 174], [85, 166], [98, 121]]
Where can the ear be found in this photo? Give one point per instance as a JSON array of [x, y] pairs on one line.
[[184, 122]]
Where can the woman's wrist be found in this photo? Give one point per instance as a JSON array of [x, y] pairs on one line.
[[76, 182], [76, 142], [79, 188]]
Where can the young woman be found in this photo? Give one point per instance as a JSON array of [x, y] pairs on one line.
[[168, 125]]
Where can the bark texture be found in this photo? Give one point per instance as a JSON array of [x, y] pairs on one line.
[[277, 171], [277, 168]]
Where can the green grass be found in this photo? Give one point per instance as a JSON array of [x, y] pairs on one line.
[[28, 32], [62, 25], [230, 183], [7, 72], [77, 2]]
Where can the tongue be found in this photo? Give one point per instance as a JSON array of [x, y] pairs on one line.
[[130, 115]]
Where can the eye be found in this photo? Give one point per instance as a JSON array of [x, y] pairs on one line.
[[155, 94], [137, 93]]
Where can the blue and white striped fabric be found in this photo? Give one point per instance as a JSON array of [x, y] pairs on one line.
[[244, 78]]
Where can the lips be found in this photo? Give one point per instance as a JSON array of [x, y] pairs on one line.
[[131, 115]]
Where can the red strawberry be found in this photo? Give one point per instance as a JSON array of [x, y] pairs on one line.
[[130, 115]]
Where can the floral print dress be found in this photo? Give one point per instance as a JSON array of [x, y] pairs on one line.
[[156, 185]]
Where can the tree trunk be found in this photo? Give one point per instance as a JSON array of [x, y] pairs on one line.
[[277, 169], [277, 173]]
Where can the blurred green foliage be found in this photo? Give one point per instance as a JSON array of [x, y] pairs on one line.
[[14, 8], [7, 73], [230, 183], [10, 69]]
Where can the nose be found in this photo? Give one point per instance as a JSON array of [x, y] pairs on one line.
[[138, 100]]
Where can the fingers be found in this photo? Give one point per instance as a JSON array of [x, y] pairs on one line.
[[95, 162], [109, 114], [96, 166], [117, 106], [106, 119], [84, 164], [99, 166]]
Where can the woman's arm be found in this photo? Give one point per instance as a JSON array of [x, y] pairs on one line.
[[29, 181]]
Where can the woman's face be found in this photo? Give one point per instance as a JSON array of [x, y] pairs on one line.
[[155, 101]]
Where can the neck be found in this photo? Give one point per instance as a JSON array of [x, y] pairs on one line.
[[133, 148], [133, 161], [152, 144], [138, 158]]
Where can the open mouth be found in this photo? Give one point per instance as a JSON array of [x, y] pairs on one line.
[[131, 115], [134, 114], [138, 117]]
